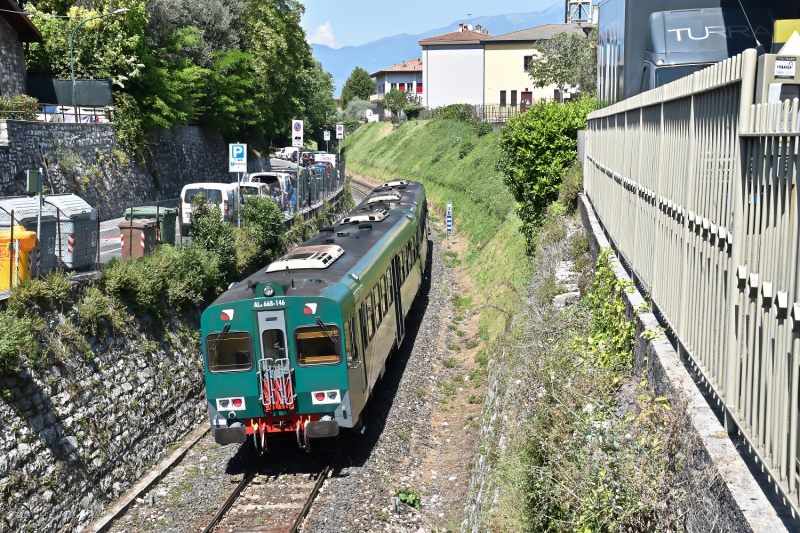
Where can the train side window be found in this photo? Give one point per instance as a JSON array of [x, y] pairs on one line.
[[350, 347], [376, 298], [231, 352], [389, 287], [370, 317], [362, 322], [385, 294]]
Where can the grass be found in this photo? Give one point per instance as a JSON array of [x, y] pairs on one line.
[[450, 362]]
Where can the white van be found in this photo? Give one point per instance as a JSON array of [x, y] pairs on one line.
[[288, 151], [220, 194]]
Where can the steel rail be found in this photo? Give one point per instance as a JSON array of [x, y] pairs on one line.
[[311, 497], [232, 498]]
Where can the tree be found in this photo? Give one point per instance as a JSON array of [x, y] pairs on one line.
[[358, 85], [566, 60], [357, 109], [318, 105], [536, 148], [395, 101]]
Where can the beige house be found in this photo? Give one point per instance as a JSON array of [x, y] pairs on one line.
[[506, 58]]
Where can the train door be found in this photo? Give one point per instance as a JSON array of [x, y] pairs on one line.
[[274, 368], [397, 282], [356, 367]]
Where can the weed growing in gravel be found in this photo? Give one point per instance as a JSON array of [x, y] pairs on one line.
[[454, 347], [447, 388], [450, 362], [458, 318], [403, 434], [475, 399], [452, 327], [422, 393], [409, 497], [460, 333], [482, 358], [472, 344]]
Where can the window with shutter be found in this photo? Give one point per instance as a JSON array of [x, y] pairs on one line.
[[502, 98]]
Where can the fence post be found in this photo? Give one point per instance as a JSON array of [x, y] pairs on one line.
[[58, 227], [749, 66], [10, 251], [98, 238]]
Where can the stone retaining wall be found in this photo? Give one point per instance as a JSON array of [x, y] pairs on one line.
[[76, 435], [12, 60], [87, 160]]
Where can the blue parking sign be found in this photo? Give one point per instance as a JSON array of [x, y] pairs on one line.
[[237, 157]]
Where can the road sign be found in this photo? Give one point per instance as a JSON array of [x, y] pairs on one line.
[[297, 133], [237, 157], [449, 218], [327, 135], [340, 131]]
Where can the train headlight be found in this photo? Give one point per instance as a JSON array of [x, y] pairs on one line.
[[237, 402], [320, 396], [269, 290], [224, 403]]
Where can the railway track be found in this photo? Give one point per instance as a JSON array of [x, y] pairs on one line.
[[275, 495], [361, 188]]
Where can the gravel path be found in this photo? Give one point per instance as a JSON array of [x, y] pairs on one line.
[[406, 442]]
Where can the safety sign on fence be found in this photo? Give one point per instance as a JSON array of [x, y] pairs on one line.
[[340, 131]]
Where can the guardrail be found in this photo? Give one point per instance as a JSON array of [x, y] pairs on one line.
[[697, 189], [59, 113]]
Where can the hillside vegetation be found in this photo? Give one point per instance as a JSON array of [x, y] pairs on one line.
[[456, 165], [569, 440]]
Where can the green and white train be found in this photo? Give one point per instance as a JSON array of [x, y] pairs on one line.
[[298, 346]]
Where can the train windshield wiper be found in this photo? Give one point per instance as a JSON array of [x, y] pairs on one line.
[[225, 330], [325, 330]]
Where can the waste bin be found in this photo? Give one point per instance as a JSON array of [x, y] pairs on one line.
[[15, 249], [166, 218], [79, 230], [26, 210], [138, 237]]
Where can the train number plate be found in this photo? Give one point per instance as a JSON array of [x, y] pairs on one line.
[[269, 304]]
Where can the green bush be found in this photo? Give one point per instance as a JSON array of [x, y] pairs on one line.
[[40, 294], [571, 186], [412, 111], [483, 128], [17, 340], [211, 233], [97, 311], [536, 148], [262, 223], [465, 148], [18, 107]]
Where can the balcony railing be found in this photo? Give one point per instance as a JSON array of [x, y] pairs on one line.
[[59, 113]]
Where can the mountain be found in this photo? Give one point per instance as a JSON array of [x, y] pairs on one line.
[[376, 55]]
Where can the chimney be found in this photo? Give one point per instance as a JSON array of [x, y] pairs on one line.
[[486, 32], [478, 28], [460, 26]]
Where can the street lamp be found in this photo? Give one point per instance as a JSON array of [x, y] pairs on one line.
[[72, 58]]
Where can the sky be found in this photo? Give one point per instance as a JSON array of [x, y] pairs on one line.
[[338, 23]]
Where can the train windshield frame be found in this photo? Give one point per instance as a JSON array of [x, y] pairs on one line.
[[318, 346], [229, 353]]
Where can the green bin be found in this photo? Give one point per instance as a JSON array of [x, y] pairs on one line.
[[166, 219]]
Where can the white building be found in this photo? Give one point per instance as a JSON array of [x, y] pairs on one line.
[[452, 67], [405, 76]]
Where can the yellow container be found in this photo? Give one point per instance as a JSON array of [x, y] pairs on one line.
[[19, 270]]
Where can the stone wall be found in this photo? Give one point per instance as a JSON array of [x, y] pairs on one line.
[[12, 60], [87, 160], [77, 434]]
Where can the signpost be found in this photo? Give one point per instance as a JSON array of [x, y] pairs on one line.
[[35, 186], [340, 131], [297, 140], [237, 156], [449, 221], [297, 133], [327, 138]]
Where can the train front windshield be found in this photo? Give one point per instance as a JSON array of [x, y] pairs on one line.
[[229, 352], [316, 345]]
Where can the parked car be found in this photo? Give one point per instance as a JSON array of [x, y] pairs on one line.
[[277, 184], [220, 194], [289, 153]]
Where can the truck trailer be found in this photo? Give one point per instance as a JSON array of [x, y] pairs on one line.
[[644, 44]]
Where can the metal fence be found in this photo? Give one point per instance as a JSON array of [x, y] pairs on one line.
[[697, 188]]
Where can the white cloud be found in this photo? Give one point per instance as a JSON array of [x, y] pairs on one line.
[[324, 35]]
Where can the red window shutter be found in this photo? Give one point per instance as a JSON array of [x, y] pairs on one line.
[[419, 87]]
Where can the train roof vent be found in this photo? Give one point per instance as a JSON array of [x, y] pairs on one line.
[[366, 216], [385, 198], [395, 183], [307, 257]]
